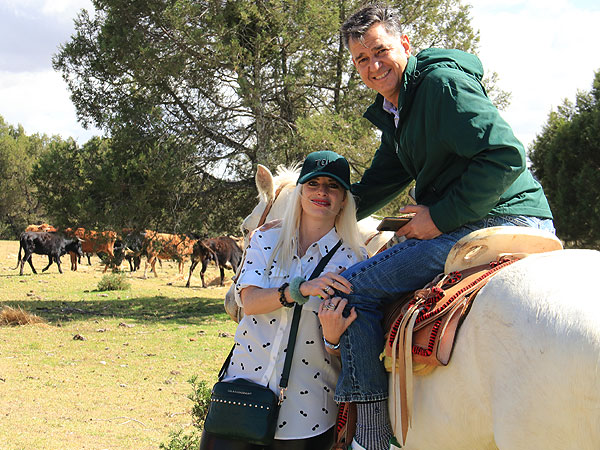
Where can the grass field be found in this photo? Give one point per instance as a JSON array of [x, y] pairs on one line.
[[107, 370]]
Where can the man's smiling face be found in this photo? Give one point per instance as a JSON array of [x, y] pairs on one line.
[[380, 59]]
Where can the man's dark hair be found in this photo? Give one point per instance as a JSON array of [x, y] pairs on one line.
[[359, 23]]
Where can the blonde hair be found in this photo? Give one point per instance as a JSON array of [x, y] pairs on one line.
[[345, 225]]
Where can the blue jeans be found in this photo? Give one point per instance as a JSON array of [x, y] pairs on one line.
[[382, 279]]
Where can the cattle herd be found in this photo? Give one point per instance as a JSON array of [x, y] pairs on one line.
[[130, 245]]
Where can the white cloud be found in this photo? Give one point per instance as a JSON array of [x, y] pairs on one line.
[[40, 102], [59, 8], [31, 93], [543, 51]]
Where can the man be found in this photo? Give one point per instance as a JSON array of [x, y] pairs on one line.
[[440, 129]]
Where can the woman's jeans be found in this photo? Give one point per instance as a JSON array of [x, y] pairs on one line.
[[382, 279]]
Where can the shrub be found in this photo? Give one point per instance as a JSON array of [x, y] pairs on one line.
[[181, 441], [113, 282], [201, 398]]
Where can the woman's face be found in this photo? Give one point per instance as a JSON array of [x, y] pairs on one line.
[[322, 197]]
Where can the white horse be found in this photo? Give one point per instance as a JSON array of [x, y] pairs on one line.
[[525, 370], [274, 193]]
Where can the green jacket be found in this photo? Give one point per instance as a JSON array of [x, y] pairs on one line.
[[450, 138]]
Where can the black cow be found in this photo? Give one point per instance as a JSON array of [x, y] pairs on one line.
[[133, 248], [52, 244], [221, 250]]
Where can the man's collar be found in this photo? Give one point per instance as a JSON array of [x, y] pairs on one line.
[[390, 108], [410, 72]]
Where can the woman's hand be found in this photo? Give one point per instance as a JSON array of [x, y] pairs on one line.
[[333, 322], [326, 285]]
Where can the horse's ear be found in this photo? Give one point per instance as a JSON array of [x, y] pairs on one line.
[[264, 182]]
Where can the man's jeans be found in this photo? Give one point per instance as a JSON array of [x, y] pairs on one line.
[[405, 267]]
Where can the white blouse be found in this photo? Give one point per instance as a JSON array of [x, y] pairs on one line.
[[261, 339]]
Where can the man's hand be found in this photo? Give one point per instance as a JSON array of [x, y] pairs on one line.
[[421, 226]]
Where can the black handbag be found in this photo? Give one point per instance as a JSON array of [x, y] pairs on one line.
[[247, 411]]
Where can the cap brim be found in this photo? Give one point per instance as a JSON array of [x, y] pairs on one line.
[[310, 176]]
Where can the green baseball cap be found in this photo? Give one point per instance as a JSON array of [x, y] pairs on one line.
[[325, 163]]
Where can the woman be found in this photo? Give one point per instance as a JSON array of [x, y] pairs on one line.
[[272, 279]]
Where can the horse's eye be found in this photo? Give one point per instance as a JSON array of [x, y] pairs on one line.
[[245, 231]]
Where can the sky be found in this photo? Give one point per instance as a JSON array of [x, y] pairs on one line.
[[543, 51]]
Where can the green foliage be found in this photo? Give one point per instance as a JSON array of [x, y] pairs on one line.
[[189, 89], [114, 282], [19, 200], [566, 159], [179, 440], [201, 398]]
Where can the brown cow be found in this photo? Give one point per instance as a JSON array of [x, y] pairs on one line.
[[42, 227], [222, 250], [166, 246], [94, 242]]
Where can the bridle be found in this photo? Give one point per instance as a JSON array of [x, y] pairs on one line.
[[263, 217], [261, 222]]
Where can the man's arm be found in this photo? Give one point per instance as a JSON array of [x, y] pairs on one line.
[[382, 181], [472, 127]]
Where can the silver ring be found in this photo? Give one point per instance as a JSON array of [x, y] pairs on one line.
[[329, 306], [330, 290]]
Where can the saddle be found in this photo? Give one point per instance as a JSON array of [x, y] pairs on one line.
[[422, 326]]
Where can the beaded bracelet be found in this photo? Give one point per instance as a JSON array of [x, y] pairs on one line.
[[295, 290], [282, 299]]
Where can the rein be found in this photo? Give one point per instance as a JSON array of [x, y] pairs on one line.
[[263, 217], [261, 222]]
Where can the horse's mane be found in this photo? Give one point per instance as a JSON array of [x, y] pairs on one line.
[[286, 175]]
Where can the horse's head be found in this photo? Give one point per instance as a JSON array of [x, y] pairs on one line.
[[273, 194]]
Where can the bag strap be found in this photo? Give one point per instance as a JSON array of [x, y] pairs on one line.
[[287, 365]]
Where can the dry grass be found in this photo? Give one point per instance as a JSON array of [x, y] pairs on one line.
[[18, 316], [125, 384]]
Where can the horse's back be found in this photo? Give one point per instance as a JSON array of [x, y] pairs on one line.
[[536, 328], [524, 372]]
